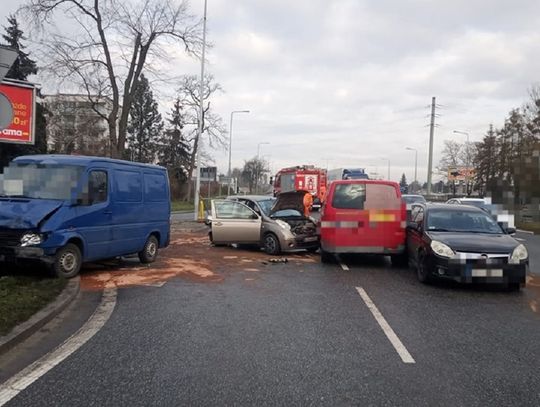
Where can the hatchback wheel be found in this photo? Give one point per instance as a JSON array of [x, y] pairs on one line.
[[422, 271], [271, 244], [514, 286], [150, 251], [68, 261]]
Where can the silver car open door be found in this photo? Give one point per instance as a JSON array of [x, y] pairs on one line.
[[234, 222]]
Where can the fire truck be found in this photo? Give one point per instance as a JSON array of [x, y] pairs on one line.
[[302, 178]]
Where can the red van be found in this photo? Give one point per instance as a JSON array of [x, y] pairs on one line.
[[364, 216]]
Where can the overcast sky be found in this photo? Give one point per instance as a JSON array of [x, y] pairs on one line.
[[349, 82]]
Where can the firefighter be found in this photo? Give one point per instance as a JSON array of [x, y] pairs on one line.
[[323, 194], [308, 203]]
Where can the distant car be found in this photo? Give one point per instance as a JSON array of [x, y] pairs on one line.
[[410, 198], [410, 201], [275, 224], [464, 244], [478, 202]]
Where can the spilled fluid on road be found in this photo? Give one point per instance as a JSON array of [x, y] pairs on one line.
[[189, 256]]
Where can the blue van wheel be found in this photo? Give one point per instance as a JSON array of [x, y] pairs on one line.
[[67, 262], [150, 251]]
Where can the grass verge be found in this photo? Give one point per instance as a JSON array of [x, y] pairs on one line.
[[530, 227], [23, 296], [182, 206]]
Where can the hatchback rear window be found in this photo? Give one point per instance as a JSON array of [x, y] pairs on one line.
[[365, 196]]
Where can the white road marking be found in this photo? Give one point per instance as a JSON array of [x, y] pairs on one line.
[[23, 379], [387, 329], [344, 266]]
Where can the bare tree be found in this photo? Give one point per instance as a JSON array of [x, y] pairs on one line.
[[452, 154], [117, 40], [213, 128], [254, 171]]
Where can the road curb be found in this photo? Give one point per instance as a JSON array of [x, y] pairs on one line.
[[528, 232], [23, 331]]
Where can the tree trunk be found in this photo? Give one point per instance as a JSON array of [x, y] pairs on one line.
[[112, 137]]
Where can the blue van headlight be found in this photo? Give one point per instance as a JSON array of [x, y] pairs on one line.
[[31, 239]]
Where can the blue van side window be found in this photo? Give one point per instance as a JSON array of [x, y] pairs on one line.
[[128, 185], [155, 188], [97, 187]]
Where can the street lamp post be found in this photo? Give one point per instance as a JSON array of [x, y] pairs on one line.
[[467, 159], [259, 148], [387, 159], [230, 146], [415, 164], [201, 114]]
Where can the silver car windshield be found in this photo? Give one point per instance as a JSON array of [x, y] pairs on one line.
[[266, 205]]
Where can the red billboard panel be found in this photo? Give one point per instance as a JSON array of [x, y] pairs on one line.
[[22, 100]]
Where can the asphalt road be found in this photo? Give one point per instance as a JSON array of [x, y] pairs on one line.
[[299, 333]]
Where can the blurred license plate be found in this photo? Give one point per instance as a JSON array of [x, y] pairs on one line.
[[310, 239], [487, 273]]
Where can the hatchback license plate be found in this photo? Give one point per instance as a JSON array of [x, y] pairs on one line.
[[487, 273]]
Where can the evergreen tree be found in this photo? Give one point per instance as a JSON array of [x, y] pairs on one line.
[[23, 67], [145, 124], [174, 149], [403, 183]]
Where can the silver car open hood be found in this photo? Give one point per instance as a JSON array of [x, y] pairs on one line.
[[289, 200]]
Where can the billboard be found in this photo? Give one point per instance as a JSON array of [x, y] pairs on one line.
[[461, 173], [17, 112]]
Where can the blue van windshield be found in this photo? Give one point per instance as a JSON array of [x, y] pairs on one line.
[[40, 181]]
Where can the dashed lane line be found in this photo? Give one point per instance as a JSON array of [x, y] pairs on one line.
[[387, 329], [13, 386]]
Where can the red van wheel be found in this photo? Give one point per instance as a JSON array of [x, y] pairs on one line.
[[327, 257]]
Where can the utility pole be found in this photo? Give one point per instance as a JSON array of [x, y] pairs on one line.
[[430, 157], [201, 118]]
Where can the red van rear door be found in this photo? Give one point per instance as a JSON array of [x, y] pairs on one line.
[[363, 217]]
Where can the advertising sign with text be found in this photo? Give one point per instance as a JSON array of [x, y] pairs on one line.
[[17, 101]]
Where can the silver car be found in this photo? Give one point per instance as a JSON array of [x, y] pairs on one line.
[[275, 224]]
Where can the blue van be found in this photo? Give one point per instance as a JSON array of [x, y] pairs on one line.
[[65, 210]]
